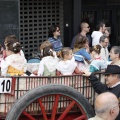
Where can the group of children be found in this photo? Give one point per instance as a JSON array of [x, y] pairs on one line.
[[63, 62], [70, 61]]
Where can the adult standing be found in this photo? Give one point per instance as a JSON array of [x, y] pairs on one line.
[[54, 38], [112, 80], [85, 28], [100, 29], [115, 55], [106, 107], [104, 42]]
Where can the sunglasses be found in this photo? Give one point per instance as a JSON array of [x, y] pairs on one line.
[[57, 30]]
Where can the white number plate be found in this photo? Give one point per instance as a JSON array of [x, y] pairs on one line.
[[5, 85]]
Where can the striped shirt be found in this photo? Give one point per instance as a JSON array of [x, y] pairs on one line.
[[56, 43]]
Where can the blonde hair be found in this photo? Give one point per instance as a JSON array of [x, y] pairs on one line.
[[45, 44], [96, 48], [80, 42], [64, 51]]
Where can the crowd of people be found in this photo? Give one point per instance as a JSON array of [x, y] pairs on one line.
[[86, 55]]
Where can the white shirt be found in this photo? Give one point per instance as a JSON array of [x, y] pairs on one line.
[[15, 60], [96, 37], [115, 85], [95, 118], [104, 54], [66, 67], [50, 62]]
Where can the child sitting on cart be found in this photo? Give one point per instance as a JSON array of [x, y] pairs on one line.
[[97, 62], [12, 39], [67, 65], [81, 52], [14, 64], [48, 63]]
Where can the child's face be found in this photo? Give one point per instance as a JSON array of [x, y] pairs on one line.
[[92, 54], [70, 55]]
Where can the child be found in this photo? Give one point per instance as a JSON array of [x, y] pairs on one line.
[[48, 63], [14, 63], [67, 65], [43, 45], [12, 39], [97, 62], [82, 57]]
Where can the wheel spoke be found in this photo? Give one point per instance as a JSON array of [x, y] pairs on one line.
[[54, 110], [66, 110], [42, 109], [51, 102], [28, 115], [80, 118]]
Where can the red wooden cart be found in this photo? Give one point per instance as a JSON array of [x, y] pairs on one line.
[[47, 98]]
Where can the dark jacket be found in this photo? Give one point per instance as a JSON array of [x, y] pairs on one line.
[[74, 38], [100, 88]]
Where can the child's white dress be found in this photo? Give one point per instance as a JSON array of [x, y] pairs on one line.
[[66, 67], [48, 66], [13, 64]]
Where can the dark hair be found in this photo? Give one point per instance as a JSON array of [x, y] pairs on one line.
[[14, 47], [47, 51], [99, 24], [96, 48], [12, 44], [80, 41], [11, 39], [65, 51], [103, 37], [116, 50], [52, 29]]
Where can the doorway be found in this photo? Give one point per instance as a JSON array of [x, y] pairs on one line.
[[109, 13]]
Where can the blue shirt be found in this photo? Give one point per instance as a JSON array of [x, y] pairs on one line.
[[56, 43], [83, 53], [97, 65]]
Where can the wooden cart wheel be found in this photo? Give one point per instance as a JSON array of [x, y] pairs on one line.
[[77, 106]]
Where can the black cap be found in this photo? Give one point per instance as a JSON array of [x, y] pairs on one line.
[[112, 69]]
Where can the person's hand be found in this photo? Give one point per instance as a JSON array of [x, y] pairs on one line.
[[35, 72], [86, 73]]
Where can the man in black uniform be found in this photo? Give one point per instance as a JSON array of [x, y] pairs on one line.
[[112, 80]]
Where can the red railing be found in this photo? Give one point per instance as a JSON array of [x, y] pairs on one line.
[[21, 85]]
